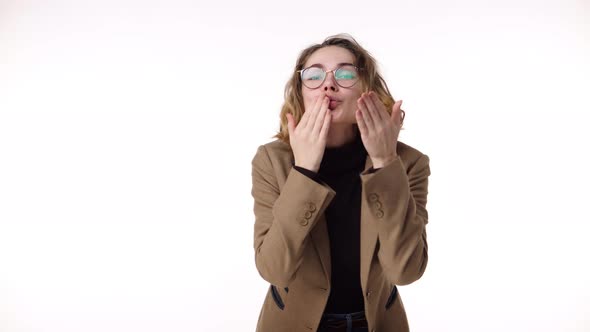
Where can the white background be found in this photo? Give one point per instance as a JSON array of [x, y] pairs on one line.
[[127, 129]]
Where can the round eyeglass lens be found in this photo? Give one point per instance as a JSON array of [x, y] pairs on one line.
[[346, 76], [313, 77]]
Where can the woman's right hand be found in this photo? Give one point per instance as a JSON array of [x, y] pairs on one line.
[[308, 138]]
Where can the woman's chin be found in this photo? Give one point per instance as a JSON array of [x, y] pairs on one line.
[[339, 118], [338, 112], [335, 114]]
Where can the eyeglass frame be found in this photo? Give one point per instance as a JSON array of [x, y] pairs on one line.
[[340, 65]]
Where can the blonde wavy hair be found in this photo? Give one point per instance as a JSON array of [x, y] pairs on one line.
[[370, 80]]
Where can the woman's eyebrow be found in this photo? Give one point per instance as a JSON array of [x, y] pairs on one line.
[[338, 65]]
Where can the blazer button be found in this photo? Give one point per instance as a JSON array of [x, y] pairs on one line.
[[303, 222], [310, 206], [377, 204], [373, 197], [307, 214], [379, 214]]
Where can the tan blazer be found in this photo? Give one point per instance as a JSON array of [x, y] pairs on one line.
[[292, 246]]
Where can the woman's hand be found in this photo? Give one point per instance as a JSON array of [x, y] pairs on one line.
[[308, 139], [379, 130]]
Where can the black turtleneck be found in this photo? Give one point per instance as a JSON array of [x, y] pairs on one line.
[[340, 169]]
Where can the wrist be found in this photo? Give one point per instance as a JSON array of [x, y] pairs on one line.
[[382, 162], [307, 167]]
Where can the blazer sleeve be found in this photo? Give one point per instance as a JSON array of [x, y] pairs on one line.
[[396, 200], [283, 218]]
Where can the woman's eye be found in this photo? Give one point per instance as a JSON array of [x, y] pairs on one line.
[[346, 75]]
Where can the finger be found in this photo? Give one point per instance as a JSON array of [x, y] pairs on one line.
[[366, 114], [320, 116], [361, 122], [308, 112], [326, 126], [395, 112], [376, 107], [313, 113], [290, 124]]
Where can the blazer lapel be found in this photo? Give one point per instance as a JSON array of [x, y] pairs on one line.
[[321, 242], [320, 238], [369, 235]]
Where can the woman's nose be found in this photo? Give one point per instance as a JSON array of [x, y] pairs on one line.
[[330, 82]]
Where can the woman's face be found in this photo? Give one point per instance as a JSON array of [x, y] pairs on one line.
[[342, 100]]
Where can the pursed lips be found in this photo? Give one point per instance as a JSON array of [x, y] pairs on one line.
[[333, 103]]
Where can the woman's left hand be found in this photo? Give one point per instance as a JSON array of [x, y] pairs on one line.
[[379, 130]]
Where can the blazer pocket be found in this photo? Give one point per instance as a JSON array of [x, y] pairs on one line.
[[277, 297], [391, 298]]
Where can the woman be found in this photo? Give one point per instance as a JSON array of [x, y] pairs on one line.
[[340, 204]]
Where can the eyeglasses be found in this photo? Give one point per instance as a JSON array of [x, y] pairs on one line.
[[345, 75]]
